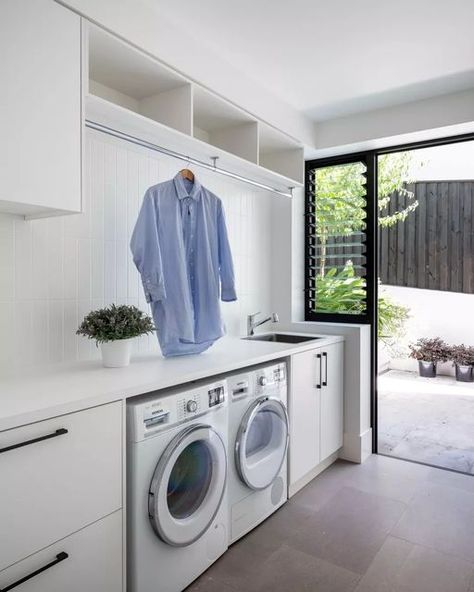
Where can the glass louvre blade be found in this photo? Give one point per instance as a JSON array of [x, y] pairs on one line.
[[337, 213]]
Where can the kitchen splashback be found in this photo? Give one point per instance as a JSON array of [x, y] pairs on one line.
[[54, 271]]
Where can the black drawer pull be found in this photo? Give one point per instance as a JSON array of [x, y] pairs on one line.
[[318, 356], [325, 356], [55, 434], [59, 557]]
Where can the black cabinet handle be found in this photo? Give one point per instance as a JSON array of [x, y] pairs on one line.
[[318, 356], [325, 356], [55, 434], [59, 557]]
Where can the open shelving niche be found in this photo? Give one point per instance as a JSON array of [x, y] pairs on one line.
[[131, 92]]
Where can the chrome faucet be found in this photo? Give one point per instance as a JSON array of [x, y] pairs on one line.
[[252, 324]]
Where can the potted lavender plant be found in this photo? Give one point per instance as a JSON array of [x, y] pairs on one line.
[[114, 329], [429, 352], [463, 358]]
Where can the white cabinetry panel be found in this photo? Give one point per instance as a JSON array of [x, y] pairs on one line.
[[40, 116], [316, 405], [93, 562], [53, 486], [304, 414], [332, 403]]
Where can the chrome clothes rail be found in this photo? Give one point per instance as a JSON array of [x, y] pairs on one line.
[[211, 167]]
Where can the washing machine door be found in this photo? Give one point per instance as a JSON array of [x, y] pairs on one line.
[[188, 485], [261, 443]]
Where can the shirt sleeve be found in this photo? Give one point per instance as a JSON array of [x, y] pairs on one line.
[[145, 246], [226, 266]]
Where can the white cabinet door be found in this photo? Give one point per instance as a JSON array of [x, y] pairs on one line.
[[40, 108], [57, 476], [304, 408], [332, 399], [88, 561]]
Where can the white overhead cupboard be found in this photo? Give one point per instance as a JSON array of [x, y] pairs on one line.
[[62, 73], [41, 108], [132, 92]]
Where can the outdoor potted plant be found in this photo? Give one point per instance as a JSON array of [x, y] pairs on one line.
[[429, 352], [463, 358], [114, 328]]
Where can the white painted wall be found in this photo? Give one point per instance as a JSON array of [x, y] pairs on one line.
[[53, 271], [433, 313], [438, 117]]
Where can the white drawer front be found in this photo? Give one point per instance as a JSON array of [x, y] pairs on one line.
[[53, 487], [93, 562]]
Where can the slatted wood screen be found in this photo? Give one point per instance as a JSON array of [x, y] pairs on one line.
[[434, 247]]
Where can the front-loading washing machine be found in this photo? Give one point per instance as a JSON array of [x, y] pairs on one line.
[[258, 443], [177, 515]]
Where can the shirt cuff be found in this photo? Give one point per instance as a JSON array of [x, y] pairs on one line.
[[228, 294], [153, 292]]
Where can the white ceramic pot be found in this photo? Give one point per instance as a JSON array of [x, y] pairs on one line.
[[116, 354]]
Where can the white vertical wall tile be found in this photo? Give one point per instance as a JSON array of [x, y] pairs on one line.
[[7, 258], [23, 259], [56, 330], [70, 268], [54, 271], [84, 268]]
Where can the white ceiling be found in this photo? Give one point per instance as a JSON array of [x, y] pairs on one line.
[[337, 57]]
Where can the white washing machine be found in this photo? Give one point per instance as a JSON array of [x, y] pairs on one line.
[[258, 443], [177, 515]]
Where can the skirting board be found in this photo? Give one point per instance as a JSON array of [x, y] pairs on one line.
[[295, 487], [357, 448]]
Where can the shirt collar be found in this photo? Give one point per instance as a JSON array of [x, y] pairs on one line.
[[181, 190]]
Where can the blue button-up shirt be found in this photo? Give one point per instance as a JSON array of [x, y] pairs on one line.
[[181, 249]]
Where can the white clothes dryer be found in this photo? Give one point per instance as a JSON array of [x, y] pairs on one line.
[[177, 516], [258, 443]]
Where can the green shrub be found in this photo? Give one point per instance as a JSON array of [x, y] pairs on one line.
[[345, 292], [115, 322]]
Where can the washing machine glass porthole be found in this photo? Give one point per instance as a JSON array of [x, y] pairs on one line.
[[188, 485], [261, 443], [189, 480]]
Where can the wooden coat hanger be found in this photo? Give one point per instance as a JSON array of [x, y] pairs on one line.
[[187, 174]]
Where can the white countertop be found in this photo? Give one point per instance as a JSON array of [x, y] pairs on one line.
[[39, 393]]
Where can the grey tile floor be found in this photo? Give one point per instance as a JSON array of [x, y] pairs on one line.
[[429, 420], [384, 526]]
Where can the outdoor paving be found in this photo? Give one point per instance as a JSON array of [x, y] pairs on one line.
[[430, 420]]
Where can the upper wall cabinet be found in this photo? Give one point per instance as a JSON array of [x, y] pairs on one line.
[[130, 78], [280, 153], [132, 92], [221, 124], [41, 114]]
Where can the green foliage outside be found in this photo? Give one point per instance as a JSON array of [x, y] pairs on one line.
[[339, 202]]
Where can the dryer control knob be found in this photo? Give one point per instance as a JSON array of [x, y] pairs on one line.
[[191, 406], [262, 381]]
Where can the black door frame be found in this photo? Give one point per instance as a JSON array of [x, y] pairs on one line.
[[370, 157]]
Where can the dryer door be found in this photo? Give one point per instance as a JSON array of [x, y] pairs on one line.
[[261, 444], [188, 485]]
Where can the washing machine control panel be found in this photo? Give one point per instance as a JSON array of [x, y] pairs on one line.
[[155, 413], [190, 404], [271, 377], [216, 395]]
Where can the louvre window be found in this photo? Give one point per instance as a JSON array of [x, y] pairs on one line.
[[336, 239]]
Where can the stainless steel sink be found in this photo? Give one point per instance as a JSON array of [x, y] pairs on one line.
[[282, 338]]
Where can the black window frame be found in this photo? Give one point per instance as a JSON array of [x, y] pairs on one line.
[[369, 158]]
